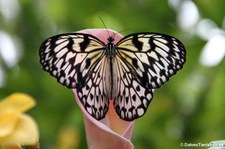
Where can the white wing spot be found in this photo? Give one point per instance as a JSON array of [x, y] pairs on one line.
[[140, 111]]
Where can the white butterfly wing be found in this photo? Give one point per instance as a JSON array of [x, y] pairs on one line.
[[78, 61], [145, 61]]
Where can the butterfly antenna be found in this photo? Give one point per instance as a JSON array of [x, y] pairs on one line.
[[104, 25]]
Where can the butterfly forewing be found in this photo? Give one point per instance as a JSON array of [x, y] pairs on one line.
[[65, 56], [77, 61], [152, 57]]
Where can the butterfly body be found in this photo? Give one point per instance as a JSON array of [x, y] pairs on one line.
[[126, 72], [110, 77]]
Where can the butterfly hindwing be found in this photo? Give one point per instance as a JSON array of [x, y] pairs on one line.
[[132, 99], [76, 61], [93, 92]]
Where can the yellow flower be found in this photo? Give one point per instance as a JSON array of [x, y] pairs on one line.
[[17, 128]]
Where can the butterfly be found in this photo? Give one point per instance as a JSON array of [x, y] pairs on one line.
[[126, 72]]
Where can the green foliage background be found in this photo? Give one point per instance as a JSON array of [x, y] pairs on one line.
[[190, 108]]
